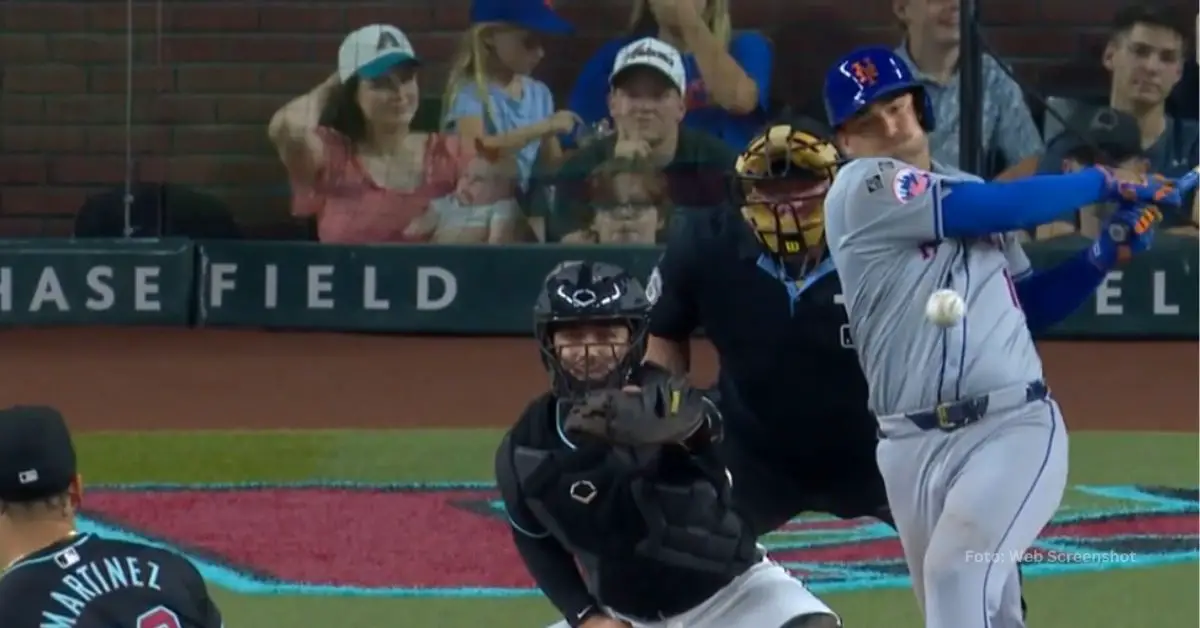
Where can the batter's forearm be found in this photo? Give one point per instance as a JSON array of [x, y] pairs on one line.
[[1051, 295], [553, 569], [978, 209]]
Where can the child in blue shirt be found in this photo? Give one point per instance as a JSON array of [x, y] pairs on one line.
[[491, 100]]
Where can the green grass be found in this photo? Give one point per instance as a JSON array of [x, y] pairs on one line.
[[1160, 597]]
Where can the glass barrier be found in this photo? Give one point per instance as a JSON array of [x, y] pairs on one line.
[[140, 119]]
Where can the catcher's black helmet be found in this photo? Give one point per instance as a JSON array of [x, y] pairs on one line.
[[578, 293]]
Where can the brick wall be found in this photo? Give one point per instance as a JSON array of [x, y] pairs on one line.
[[207, 75]]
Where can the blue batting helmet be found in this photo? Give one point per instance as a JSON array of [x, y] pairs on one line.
[[867, 75]]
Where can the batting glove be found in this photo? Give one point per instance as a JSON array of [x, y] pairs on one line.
[[1156, 190], [1130, 230]]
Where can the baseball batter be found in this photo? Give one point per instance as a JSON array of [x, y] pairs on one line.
[[973, 448]]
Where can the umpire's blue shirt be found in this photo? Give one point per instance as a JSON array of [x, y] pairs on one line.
[[788, 365]]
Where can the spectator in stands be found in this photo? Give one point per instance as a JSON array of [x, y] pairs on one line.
[[1145, 56], [931, 47], [727, 76], [648, 83], [354, 162], [490, 96], [629, 204], [1183, 102], [1105, 138], [481, 210]]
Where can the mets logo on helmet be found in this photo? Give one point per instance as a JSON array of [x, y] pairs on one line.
[[865, 72], [910, 183]]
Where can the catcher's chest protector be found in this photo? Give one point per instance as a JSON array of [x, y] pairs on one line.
[[691, 525], [602, 509]]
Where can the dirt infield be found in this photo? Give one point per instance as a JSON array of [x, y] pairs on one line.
[[108, 379]]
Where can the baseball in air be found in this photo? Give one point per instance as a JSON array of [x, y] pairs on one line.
[[945, 308]]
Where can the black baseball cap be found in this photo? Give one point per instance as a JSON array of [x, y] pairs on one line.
[[1113, 134], [37, 457]]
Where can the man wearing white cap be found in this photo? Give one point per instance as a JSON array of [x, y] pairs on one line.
[[646, 103]]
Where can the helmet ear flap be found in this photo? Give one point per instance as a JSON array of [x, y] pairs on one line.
[[924, 107]]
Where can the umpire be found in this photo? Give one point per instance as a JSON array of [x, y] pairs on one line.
[[759, 281], [54, 576]]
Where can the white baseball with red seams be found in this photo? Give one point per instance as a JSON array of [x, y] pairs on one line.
[[945, 308]]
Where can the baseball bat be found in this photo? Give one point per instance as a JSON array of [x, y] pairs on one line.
[[1185, 184]]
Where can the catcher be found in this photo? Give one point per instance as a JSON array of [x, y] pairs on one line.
[[619, 505]]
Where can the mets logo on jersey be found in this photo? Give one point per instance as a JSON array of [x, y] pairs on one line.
[[910, 183]]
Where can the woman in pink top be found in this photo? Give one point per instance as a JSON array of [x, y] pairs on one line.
[[354, 164]]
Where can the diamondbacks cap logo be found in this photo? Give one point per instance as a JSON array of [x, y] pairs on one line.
[[865, 72], [910, 183], [387, 41]]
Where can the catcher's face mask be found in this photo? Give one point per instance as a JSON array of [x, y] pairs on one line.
[[784, 176], [591, 353]]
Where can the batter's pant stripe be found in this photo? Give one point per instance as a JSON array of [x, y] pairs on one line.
[[1037, 478]]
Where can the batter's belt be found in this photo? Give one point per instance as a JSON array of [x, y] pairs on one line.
[[955, 415]]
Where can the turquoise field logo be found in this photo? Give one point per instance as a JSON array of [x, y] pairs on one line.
[[452, 540]]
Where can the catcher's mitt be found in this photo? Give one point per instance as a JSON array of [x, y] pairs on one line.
[[663, 412]]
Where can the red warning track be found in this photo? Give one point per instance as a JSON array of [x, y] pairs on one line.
[[208, 379]]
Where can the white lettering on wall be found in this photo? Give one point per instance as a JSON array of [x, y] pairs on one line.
[[371, 300], [1161, 307], [271, 287], [99, 281], [145, 289], [222, 279], [49, 288], [1107, 293], [426, 275], [320, 285]]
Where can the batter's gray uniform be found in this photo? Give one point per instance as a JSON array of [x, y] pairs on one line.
[[968, 502], [764, 597]]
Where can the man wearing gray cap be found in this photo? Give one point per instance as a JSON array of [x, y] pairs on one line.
[[54, 576]]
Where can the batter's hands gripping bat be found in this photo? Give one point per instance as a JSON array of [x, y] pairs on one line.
[[1119, 231]]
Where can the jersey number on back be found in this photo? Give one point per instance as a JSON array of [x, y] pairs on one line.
[[158, 617]]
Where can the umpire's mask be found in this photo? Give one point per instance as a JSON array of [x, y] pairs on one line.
[[782, 179]]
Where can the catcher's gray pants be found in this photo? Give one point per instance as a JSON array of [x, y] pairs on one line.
[[766, 596]]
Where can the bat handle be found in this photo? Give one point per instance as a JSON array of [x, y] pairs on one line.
[[1187, 182]]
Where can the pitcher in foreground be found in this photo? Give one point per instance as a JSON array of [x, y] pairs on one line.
[[973, 449], [50, 574]]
